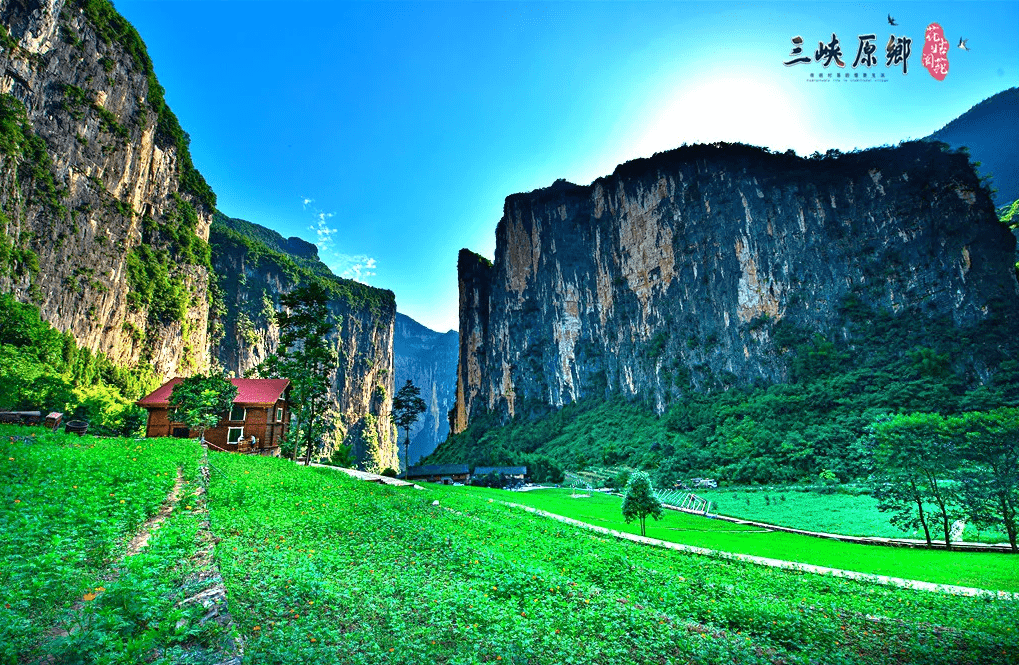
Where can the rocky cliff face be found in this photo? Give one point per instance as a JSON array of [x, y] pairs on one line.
[[104, 218], [255, 266], [428, 359], [671, 274]]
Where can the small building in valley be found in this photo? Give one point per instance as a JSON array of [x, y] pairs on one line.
[[505, 472], [447, 474], [256, 423]]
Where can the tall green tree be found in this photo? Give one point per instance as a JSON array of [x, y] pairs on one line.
[[919, 459], [202, 401], [307, 357], [640, 500], [990, 445], [407, 408]]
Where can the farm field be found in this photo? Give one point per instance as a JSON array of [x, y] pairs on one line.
[[68, 508], [975, 569], [849, 514], [321, 568]]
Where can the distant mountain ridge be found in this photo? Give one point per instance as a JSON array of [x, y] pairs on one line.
[[428, 358], [990, 131]]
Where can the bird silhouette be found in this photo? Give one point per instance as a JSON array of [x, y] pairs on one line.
[[891, 21], [962, 44]]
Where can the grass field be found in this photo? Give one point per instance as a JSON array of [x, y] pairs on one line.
[[976, 569], [321, 568], [850, 514], [324, 569], [68, 507]]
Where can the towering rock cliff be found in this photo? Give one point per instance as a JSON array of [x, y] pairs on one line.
[[104, 218], [677, 273], [428, 359], [255, 266], [105, 223]]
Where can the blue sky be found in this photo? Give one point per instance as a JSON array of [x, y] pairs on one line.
[[390, 133]]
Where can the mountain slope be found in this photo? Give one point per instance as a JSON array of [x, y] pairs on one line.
[[990, 131], [758, 309]]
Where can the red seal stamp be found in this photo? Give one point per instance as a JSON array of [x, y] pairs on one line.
[[935, 52]]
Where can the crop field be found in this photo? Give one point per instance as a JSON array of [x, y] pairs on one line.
[[321, 568], [68, 508], [853, 514], [984, 570]]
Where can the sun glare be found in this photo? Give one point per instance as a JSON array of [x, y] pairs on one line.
[[747, 108]]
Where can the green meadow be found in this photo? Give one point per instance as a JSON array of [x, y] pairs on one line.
[[321, 568], [984, 570], [853, 512]]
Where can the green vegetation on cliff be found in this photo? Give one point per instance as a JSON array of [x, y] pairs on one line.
[[783, 432], [111, 27], [298, 261], [42, 369]]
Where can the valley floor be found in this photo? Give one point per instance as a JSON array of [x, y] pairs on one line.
[[322, 568]]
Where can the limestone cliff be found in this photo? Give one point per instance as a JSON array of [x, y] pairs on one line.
[[428, 359], [104, 218], [255, 266], [673, 273]]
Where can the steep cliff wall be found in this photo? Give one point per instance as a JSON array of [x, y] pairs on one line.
[[104, 218], [255, 266], [673, 274], [428, 359]]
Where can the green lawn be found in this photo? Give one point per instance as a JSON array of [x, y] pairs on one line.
[[975, 569], [849, 514], [321, 568], [69, 506]]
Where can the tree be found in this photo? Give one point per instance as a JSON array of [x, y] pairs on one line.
[[407, 408], [919, 459], [306, 357], [640, 500], [202, 400], [990, 443]]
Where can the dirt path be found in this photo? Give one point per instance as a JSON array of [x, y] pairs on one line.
[[776, 563], [141, 539], [369, 477], [137, 542]]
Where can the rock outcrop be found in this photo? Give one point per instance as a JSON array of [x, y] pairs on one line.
[[671, 274], [428, 359], [104, 218], [255, 266]]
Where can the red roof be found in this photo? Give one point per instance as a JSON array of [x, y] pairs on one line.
[[260, 392]]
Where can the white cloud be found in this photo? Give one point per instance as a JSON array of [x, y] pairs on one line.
[[358, 267]]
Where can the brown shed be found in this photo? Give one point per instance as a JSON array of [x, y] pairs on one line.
[[261, 410]]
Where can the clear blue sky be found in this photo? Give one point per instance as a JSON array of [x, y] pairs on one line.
[[391, 133]]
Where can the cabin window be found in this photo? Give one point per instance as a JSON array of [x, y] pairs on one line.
[[237, 413], [279, 414], [234, 434]]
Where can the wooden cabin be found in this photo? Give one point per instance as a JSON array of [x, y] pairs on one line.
[[261, 410]]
